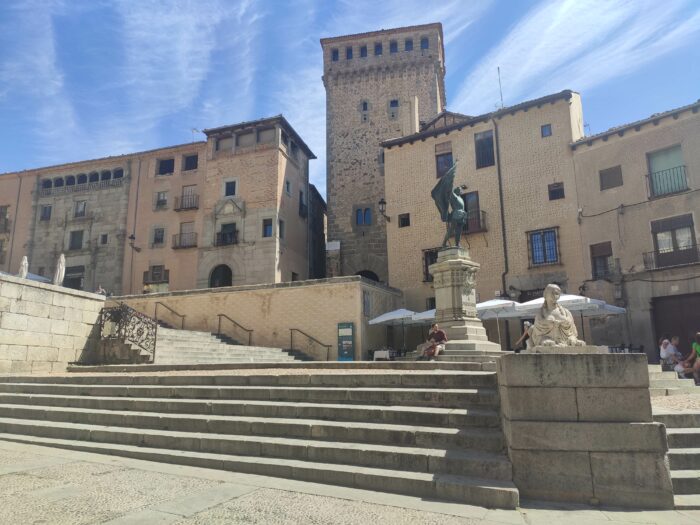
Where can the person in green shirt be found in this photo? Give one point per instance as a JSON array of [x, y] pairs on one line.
[[693, 361]]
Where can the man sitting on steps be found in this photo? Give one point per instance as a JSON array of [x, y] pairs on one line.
[[436, 343]]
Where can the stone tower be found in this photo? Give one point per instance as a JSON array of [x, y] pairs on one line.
[[379, 85]]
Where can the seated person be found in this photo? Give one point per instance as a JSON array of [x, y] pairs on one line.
[[436, 343], [668, 353], [692, 364]]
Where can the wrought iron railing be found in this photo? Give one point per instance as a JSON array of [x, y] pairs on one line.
[[185, 240], [309, 348], [248, 331], [672, 257], [476, 222], [187, 202], [226, 238], [666, 182], [179, 315], [112, 183], [127, 325]]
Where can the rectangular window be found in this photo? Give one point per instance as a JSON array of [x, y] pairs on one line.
[[378, 49], [483, 144], [295, 276], [404, 220], [442, 164], [4, 212], [288, 187], [424, 43], [408, 44], [601, 260], [667, 172], [80, 209], [610, 178], [334, 55], [158, 236], [393, 109], [429, 257], [161, 200], [543, 247], [45, 212], [190, 162], [76, 240], [156, 274], [348, 53], [430, 303], [229, 188], [224, 144], [546, 130], [280, 227], [556, 191], [267, 228], [166, 167], [674, 242], [393, 46], [471, 207], [363, 51], [104, 238]]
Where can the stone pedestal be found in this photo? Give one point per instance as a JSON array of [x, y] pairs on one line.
[[588, 349], [454, 281]]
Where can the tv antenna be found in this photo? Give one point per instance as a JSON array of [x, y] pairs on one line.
[[500, 88]]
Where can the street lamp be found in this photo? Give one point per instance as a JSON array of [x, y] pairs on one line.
[[382, 209]]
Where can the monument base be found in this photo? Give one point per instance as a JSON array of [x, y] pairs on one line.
[[588, 349]]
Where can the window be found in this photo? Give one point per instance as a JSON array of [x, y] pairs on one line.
[[546, 130], [666, 172], [158, 236], [46, 184], [224, 144], [365, 106], [601, 260], [471, 206], [295, 276], [429, 257], [430, 303], [80, 209], [368, 216], [363, 51], [404, 220], [58, 183], [107, 175], [674, 241], [610, 178], [334, 55], [543, 247], [348, 53], [363, 216], [76, 240], [228, 235], [104, 238], [288, 187], [443, 158], [393, 109], [378, 49], [82, 178], [74, 277], [303, 208], [229, 188], [118, 174], [556, 191], [483, 143], [70, 180], [424, 43], [267, 228], [45, 212], [94, 177], [190, 162], [408, 44], [156, 274], [161, 200], [280, 227], [393, 47], [166, 167]]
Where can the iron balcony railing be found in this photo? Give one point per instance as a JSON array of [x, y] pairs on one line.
[[226, 238], [5, 225], [112, 183], [666, 182], [185, 240], [476, 222], [672, 257], [187, 202]]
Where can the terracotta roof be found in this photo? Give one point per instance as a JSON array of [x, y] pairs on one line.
[[335, 39]]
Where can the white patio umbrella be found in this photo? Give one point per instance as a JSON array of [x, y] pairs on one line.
[[396, 318], [422, 317], [494, 308]]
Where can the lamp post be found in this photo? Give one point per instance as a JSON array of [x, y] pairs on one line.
[[382, 209]]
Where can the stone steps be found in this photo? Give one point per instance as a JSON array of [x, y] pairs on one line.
[[433, 433], [686, 481]]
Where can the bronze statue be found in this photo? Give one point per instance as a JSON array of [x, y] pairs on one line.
[[445, 196]]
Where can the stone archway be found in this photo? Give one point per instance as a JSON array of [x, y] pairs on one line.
[[220, 276]]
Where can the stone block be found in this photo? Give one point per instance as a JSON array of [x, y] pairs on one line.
[[21, 367], [62, 341], [5, 303], [66, 355], [59, 327], [574, 370], [553, 475], [10, 321], [18, 337], [41, 325], [614, 404], [37, 295], [73, 314], [62, 299], [15, 353], [78, 329], [42, 353], [89, 316], [539, 404], [587, 349], [633, 479], [581, 436], [5, 366], [80, 343], [41, 367], [30, 308], [57, 312], [59, 367], [11, 290]]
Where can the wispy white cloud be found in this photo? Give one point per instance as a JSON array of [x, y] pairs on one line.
[[575, 44]]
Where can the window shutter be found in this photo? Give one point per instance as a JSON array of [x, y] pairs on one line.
[[672, 223], [602, 249]]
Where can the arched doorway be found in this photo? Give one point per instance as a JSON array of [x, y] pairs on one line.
[[221, 276], [368, 274]]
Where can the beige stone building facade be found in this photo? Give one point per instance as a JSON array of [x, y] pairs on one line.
[[379, 85], [231, 210]]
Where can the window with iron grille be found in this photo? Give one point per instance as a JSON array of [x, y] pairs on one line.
[[429, 257], [76, 240], [80, 209], [601, 259], [556, 191], [190, 162], [404, 220], [158, 236], [610, 177], [543, 247], [45, 212], [161, 199], [483, 144]]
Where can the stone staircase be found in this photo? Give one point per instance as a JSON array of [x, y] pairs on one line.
[[192, 347], [664, 383], [433, 434]]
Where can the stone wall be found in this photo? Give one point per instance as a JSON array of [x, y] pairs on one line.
[[44, 327], [271, 310], [578, 428]]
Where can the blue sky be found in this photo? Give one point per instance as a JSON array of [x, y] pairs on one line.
[[83, 79]]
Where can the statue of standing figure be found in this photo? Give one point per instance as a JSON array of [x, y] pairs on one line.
[[554, 324], [60, 272], [446, 196], [23, 268]]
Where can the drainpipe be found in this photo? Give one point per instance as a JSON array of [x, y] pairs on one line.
[[14, 226], [503, 218], [133, 229]]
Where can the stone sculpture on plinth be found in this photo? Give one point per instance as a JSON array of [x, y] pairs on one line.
[[60, 272], [23, 268]]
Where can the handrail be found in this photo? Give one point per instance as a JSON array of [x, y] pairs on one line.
[[291, 341], [129, 326], [182, 317], [250, 332]]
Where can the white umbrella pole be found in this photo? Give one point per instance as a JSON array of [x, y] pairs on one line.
[[583, 328], [498, 327]]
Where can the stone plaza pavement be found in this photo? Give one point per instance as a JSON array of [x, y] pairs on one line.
[[41, 485]]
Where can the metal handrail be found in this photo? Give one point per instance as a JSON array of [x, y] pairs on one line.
[[248, 330], [129, 326], [182, 317], [291, 341], [667, 182]]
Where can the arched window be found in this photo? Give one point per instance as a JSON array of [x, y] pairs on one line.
[[82, 179], [220, 276], [106, 175], [58, 182], [368, 274], [359, 217], [46, 184], [118, 173], [94, 177], [368, 216], [70, 180]]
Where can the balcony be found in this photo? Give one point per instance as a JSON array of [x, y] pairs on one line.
[[605, 268], [226, 238], [5, 224], [161, 204], [156, 277], [88, 186], [669, 258], [184, 240], [667, 182], [476, 222], [187, 202]]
